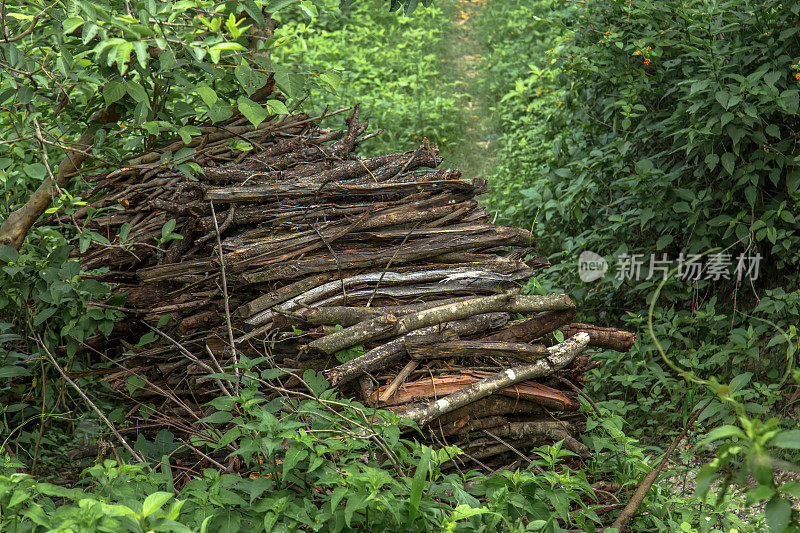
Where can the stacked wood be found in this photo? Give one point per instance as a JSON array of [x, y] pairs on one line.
[[384, 273]]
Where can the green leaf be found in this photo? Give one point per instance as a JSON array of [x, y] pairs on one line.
[[778, 513], [277, 5], [218, 113], [207, 94], [664, 241], [250, 80], [770, 78], [712, 160], [71, 24], [154, 502], [137, 92], [8, 254], [793, 180], [223, 403], [124, 230], [337, 495], [773, 130], [789, 440], [141, 53], [465, 511], [36, 171], [728, 160], [252, 111], [9, 371], [354, 503], [751, 193], [792, 488], [294, 455], [167, 228], [215, 51], [277, 107], [333, 79], [418, 483], [113, 91], [218, 417], [724, 432], [790, 100], [122, 55], [43, 315]]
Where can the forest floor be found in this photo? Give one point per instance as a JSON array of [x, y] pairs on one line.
[[463, 53]]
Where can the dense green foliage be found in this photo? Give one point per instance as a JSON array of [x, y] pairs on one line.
[[327, 464], [666, 128]]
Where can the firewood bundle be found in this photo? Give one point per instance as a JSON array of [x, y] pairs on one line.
[[383, 273]]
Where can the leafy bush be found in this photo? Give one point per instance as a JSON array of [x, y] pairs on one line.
[[323, 463], [663, 103]]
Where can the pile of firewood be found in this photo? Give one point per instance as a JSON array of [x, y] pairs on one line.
[[383, 273]]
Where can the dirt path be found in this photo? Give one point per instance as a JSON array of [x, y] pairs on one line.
[[463, 54]]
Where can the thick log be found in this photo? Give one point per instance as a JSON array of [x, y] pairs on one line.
[[282, 294], [282, 191], [469, 349], [605, 338], [394, 350], [353, 288], [363, 332], [561, 355], [16, 226], [533, 328]]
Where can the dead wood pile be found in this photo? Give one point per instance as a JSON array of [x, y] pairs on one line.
[[384, 273]]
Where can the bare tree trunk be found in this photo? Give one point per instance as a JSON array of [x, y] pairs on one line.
[[16, 226]]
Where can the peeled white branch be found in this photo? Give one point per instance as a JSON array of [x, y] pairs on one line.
[[560, 356]]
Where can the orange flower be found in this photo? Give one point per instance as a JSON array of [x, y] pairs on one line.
[[648, 48], [637, 52], [797, 76], [646, 61], [548, 64]]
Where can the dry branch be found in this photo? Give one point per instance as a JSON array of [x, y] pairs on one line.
[[389, 325], [393, 350], [605, 338], [442, 350], [533, 328], [561, 355]]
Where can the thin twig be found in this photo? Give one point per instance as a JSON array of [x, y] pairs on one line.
[[585, 396], [89, 401], [507, 445], [226, 300], [190, 356]]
